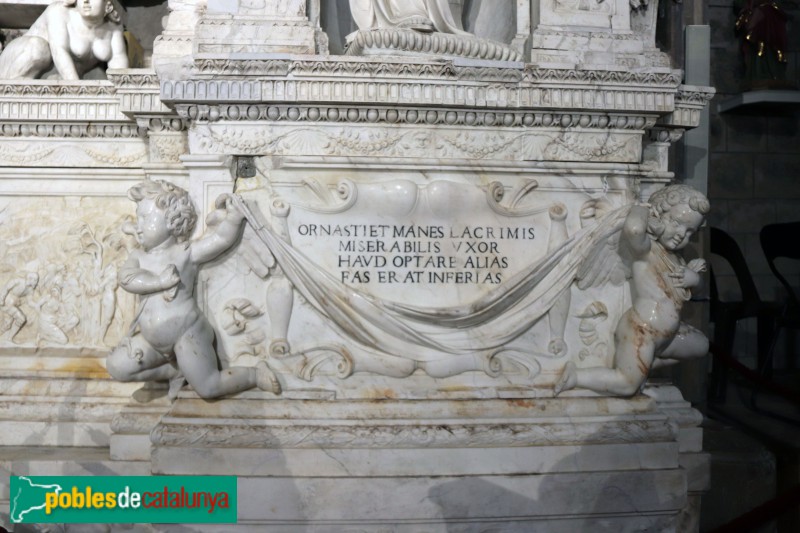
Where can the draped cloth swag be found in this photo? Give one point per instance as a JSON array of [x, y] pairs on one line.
[[430, 333]]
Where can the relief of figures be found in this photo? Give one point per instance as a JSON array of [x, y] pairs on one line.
[[72, 35], [67, 292], [55, 319], [170, 338], [11, 299]]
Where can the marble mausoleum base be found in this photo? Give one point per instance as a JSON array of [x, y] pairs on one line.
[[556, 465]]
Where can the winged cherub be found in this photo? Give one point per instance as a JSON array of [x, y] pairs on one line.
[[174, 340], [650, 333]]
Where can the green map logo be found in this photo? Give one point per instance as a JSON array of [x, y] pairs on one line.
[[28, 497], [128, 499]]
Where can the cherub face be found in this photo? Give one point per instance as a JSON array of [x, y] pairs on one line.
[[92, 8], [680, 223], [151, 224]]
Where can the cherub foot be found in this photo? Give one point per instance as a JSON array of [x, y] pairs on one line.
[[568, 379], [266, 379]]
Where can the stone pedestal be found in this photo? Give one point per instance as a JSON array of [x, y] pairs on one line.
[[580, 463], [601, 35], [242, 26], [131, 426]]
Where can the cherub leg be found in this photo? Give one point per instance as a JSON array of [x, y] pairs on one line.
[[689, 343], [134, 359], [635, 351], [198, 362]]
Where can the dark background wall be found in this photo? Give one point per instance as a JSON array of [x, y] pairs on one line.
[[754, 174]]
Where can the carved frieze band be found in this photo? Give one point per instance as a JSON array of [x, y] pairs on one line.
[[129, 80], [689, 104], [34, 89], [71, 110], [445, 70], [61, 108], [78, 130], [172, 433], [138, 91], [117, 153], [393, 115], [629, 99], [512, 144], [441, 84]]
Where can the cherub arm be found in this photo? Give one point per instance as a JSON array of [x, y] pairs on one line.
[[137, 280], [689, 275], [119, 51], [58, 38], [224, 235], [634, 231]]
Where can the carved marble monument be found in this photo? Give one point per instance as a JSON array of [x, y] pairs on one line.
[[74, 36], [421, 281]]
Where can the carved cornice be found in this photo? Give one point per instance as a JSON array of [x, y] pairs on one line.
[[665, 135], [162, 124], [622, 99], [138, 90], [383, 70], [241, 67], [415, 83], [689, 104], [35, 88], [552, 75], [690, 94], [127, 79], [60, 109]]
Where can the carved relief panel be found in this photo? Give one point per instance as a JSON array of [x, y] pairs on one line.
[[58, 272], [347, 279]]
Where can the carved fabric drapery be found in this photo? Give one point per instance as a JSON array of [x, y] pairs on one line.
[[370, 14], [486, 324]]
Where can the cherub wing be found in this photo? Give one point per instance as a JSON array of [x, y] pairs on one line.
[[603, 262]]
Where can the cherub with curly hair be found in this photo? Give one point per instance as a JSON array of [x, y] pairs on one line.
[[174, 340], [73, 35], [650, 333]]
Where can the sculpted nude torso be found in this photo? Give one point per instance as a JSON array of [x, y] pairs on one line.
[[73, 39]]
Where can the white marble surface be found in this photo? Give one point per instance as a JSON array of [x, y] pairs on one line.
[[425, 426], [70, 38], [450, 469]]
